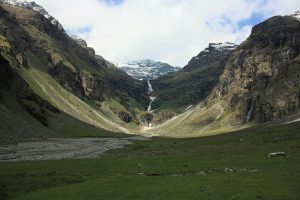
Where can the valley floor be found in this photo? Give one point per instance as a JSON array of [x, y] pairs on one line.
[[230, 166]]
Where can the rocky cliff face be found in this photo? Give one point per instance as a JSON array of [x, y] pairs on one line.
[[261, 79], [257, 81], [213, 53]]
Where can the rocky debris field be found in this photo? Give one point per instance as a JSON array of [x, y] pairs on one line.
[[58, 148]]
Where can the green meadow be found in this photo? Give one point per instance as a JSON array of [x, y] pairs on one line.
[[228, 166]]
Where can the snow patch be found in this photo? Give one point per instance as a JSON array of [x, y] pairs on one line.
[[222, 46], [147, 69], [32, 5]]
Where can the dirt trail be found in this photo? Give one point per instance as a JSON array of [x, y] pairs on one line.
[[57, 148]]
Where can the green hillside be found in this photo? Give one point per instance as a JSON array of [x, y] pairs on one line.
[[49, 69]]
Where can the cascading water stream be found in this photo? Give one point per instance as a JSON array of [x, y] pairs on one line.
[[249, 114], [149, 107], [150, 89]]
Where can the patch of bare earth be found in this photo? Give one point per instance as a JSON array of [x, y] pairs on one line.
[[57, 148]]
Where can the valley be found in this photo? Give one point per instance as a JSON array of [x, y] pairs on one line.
[[74, 125], [234, 165]]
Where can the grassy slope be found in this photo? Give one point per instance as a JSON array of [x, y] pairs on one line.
[[176, 103], [48, 88], [198, 121], [60, 124], [174, 84], [170, 169], [39, 80]]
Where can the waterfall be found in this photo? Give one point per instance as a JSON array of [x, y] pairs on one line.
[[151, 101], [149, 87], [288, 53], [249, 114], [149, 107]]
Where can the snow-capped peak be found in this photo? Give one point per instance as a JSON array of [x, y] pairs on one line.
[[210, 51], [222, 46], [146, 69], [296, 15], [34, 6]]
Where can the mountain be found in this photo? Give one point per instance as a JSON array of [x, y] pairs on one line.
[[176, 91], [147, 69], [33, 6], [259, 82], [53, 85]]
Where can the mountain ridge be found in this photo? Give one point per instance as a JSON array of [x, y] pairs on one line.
[[89, 91], [259, 84], [147, 69], [63, 83], [194, 82], [34, 6]]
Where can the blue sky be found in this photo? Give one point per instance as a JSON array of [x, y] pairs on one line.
[[254, 19], [171, 31], [114, 2]]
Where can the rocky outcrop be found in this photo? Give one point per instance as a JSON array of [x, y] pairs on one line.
[[79, 40], [33, 6], [261, 79], [83, 43], [68, 79], [213, 53], [94, 88]]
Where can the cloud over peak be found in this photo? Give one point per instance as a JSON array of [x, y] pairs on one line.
[[171, 31]]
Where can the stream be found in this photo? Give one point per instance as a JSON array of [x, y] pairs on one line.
[[150, 90], [249, 114]]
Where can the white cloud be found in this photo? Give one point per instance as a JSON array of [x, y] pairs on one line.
[[172, 31]]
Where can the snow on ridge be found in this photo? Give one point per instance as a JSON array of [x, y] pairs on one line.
[[221, 46], [146, 69], [34, 6], [75, 37], [123, 65], [213, 47]]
